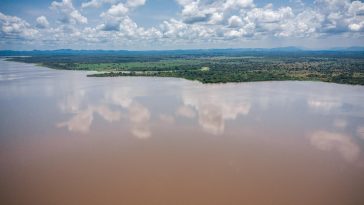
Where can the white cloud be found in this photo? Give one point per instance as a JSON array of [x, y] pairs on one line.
[[245, 20], [356, 8], [16, 28], [117, 10], [304, 24], [99, 3], [341, 15], [332, 4], [356, 26], [42, 22], [192, 13], [135, 3], [92, 4], [216, 18], [199, 22], [174, 29], [235, 21], [120, 9], [130, 30], [69, 14], [238, 4], [116, 19], [268, 15]]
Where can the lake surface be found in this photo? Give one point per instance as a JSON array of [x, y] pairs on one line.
[[69, 139]]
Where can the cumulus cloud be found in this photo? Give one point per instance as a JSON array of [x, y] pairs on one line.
[[92, 4], [305, 24], [195, 11], [235, 21], [268, 15], [116, 18], [341, 16], [244, 19], [70, 15], [199, 11], [121, 9], [117, 10], [42, 22], [192, 13], [199, 22], [13, 27], [135, 3], [99, 3], [356, 26], [175, 29], [238, 4]]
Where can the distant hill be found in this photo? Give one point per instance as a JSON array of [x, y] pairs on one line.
[[228, 51], [290, 48], [354, 48]]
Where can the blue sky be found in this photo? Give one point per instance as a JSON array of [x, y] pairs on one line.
[[179, 24]]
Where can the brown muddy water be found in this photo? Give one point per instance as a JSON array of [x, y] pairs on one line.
[[66, 139]]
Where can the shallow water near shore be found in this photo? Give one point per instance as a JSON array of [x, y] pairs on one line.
[[69, 139]]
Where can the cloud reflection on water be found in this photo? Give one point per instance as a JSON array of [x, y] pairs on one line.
[[214, 105], [165, 118], [331, 141], [185, 111], [139, 117], [211, 106], [123, 97], [340, 123], [323, 104], [360, 132], [82, 120]]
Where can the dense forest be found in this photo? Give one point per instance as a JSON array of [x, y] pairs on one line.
[[217, 67]]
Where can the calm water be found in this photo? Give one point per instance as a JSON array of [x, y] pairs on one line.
[[69, 139]]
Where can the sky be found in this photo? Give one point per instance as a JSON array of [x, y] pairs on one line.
[[179, 24]]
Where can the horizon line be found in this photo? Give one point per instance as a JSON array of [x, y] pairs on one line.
[[298, 48]]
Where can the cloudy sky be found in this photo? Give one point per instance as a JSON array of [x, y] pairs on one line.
[[179, 24]]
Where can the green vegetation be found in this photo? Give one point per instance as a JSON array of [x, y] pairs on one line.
[[345, 68]]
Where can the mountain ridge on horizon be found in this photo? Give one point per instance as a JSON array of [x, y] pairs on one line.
[[175, 51]]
